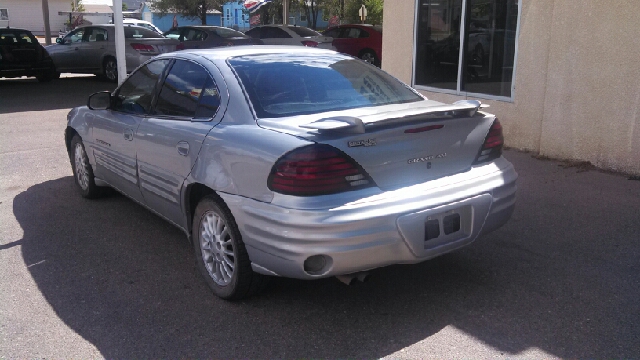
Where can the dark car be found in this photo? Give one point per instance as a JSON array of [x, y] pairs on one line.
[[363, 41], [22, 55], [205, 37]]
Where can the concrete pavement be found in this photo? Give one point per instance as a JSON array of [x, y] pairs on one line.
[[106, 278]]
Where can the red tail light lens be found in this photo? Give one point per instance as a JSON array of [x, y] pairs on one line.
[[317, 170], [310, 43], [180, 46], [493, 143], [142, 47]]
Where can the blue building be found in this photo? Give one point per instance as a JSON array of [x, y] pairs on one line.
[[235, 16], [165, 22]]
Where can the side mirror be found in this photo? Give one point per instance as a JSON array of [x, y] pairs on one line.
[[99, 101], [59, 40]]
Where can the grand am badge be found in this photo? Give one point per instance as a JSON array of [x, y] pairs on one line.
[[426, 158], [368, 142]]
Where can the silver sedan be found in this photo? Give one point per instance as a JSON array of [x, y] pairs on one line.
[[294, 162], [91, 49]]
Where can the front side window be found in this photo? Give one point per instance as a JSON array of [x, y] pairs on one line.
[[74, 36], [194, 35], [96, 34], [281, 85], [136, 93], [488, 32], [183, 89]]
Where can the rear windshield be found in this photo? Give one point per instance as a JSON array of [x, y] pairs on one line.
[[228, 33], [136, 32], [303, 31], [282, 85]]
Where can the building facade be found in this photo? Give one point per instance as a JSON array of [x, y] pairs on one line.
[[27, 14], [563, 78]]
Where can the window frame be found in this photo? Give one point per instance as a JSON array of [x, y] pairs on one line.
[[458, 91], [160, 86], [155, 91]]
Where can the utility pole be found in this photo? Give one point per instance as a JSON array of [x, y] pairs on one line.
[[285, 12], [47, 27]]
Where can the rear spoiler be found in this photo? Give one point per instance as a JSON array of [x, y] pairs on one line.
[[349, 124]]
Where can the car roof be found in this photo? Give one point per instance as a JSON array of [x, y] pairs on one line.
[[281, 26], [15, 29], [222, 53]]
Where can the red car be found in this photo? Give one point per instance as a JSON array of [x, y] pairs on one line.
[[363, 41]]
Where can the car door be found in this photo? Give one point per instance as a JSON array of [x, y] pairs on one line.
[[349, 41], [94, 46], [114, 129], [65, 55], [169, 141]]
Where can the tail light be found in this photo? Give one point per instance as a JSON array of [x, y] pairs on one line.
[[493, 143], [180, 46], [317, 170], [310, 43], [142, 47]]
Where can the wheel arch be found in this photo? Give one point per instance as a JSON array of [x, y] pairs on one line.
[[193, 194], [69, 133]]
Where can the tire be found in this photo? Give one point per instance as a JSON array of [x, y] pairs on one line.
[[110, 69], [220, 253], [82, 171], [370, 57]]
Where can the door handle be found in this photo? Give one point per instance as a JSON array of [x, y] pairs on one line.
[[75, 49], [128, 134], [183, 148]]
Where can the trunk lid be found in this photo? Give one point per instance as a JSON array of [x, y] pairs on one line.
[[157, 45], [398, 145]]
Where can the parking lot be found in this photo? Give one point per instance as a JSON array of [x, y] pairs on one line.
[[107, 278]]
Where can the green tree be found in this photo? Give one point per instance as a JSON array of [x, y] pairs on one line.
[[188, 8]]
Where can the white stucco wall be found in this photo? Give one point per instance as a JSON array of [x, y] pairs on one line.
[[27, 14], [577, 84]]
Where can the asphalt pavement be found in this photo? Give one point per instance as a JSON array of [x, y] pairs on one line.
[[106, 278]]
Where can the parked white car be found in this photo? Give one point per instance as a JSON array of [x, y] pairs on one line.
[[291, 35], [143, 23]]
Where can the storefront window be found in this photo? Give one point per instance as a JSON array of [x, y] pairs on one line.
[[488, 51]]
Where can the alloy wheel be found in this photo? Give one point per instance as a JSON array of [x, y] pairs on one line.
[[111, 70], [217, 248], [81, 167], [369, 57]]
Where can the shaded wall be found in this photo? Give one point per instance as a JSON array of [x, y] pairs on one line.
[[577, 84]]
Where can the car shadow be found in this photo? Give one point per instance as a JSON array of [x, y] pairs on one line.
[[27, 94], [125, 280]]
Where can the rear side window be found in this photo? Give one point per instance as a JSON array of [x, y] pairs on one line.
[[228, 33], [173, 34], [183, 89], [334, 33], [254, 33], [136, 32], [136, 93], [303, 31], [282, 85], [8, 38]]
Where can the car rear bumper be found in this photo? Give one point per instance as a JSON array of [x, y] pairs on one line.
[[385, 228]]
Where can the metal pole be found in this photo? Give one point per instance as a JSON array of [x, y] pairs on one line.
[[47, 27], [120, 42], [285, 12]]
